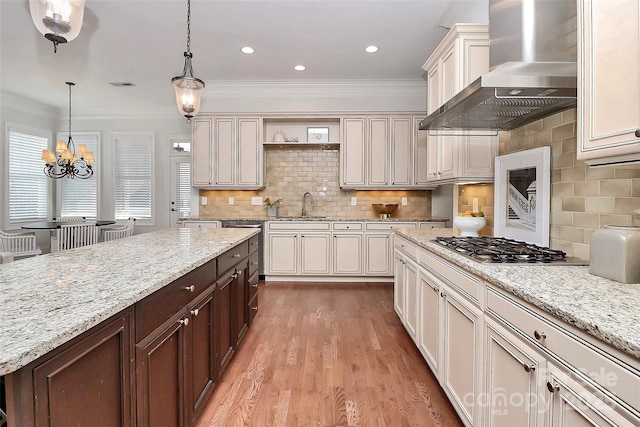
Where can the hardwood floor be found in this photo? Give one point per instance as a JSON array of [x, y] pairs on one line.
[[328, 355]]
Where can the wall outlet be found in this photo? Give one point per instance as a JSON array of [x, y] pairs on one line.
[[230, 200], [404, 201], [203, 200], [475, 204], [256, 201], [354, 201]]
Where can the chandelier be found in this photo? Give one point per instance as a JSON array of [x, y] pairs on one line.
[[60, 21], [68, 163], [188, 88]]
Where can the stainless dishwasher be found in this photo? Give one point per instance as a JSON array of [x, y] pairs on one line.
[[250, 223]]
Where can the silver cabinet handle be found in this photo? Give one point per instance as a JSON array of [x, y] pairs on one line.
[[539, 335], [254, 243], [254, 308], [552, 387], [254, 263], [637, 133], [195, 312], [529, 368], [235, 256], [435, 290], [254, 286], [239, 273], [190, 288], [234, 276], [183, 322]]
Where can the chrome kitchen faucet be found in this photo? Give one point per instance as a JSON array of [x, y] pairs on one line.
[[304, 202]]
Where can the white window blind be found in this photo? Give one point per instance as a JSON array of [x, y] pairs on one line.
[[183, 188], [133, 159], [79, 197], [27, 182]]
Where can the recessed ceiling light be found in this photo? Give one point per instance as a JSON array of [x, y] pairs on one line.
[[371, 49], [248, 50], [299, 68]]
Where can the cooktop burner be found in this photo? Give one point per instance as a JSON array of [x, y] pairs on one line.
[[502, 250]]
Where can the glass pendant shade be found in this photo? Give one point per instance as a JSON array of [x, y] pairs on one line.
[[188, 90], [58, 20]]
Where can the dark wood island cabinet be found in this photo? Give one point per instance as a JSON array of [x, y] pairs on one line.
[[154, 364]]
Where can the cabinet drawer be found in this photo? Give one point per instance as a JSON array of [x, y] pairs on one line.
[[253, 285], [406, 247], [347, 226], [382, 225], [253, 262], [231, 257], [432, 225], [254, 242], [162, 304], [592, 360], [299, 225], [253, 308], [455, 277]]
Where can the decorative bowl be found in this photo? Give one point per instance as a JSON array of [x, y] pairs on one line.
[[384, 210], [469, 225]]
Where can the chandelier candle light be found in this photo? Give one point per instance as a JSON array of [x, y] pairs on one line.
[[60, 21], [68, 163], [188, 88]]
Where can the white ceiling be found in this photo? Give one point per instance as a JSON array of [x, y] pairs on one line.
[[142, 42]]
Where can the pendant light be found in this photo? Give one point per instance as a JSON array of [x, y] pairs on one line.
[[60, 21], [188, 88], [68, 163]]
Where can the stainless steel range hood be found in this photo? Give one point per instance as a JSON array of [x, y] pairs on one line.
[[533, 69]]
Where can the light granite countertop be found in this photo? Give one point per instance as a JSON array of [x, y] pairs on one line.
[[606, 309], [316, 218], [47, 300]]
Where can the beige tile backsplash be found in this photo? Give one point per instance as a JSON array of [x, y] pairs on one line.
[[583, 199], [290, 172]]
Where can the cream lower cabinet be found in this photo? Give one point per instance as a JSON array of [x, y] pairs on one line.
[[608, 70], [315, 253], [378, 254], [405, 285], [347, 253], [281, 255], [293, 253]]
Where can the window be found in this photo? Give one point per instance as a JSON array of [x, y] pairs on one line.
[[133, 174], [28, 185], [182, 186], [79, 197]]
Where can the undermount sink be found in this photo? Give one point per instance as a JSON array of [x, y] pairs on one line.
[[302, 217]]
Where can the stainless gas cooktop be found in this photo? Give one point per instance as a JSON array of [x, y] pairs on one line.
[[507, 251]]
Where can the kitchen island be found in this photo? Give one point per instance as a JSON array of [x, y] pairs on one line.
[[55, 303], [514, 344]]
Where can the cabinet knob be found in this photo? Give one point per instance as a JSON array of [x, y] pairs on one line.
[[254, 308], [637, 133], [254, 243], [190, 288], [435, 289], [552, 387], [539, 335], [234, 276], [254, 286], [183, 322], [529, 368], [235, 256], [195, 312], [442, 294]]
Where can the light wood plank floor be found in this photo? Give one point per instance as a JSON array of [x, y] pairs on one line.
[[327, 355]]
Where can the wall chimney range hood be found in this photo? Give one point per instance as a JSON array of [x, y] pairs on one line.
[[533, 45]]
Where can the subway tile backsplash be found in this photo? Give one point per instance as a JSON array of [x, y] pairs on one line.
[[292, 171]]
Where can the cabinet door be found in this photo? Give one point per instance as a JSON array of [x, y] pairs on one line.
[[283, 253], [477, 152], [250, 153], [434, 96], [378, 152], [573, 405], [378, 260], [224, 151], [224, 341], [160, 362], [421, 155], [608, 69], [450, 77], [315, 253], [433, 157], [448, 156], [89, 381], [513, 380], [201, 365], [201, 151], [240, 301], [398, 284], [347, 253], [429, 319], [352, 152], [402, 151], [411, 298], [462, 355]]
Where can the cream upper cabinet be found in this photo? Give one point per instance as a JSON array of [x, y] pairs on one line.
[[458, 156], [227, 153], [377, 152], [420, 154], [402, 152], [352, 153], [608, 81]]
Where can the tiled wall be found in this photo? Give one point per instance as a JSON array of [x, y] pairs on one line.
[[293, 171], [583, 199]]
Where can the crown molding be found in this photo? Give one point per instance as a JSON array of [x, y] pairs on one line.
[[27, 105]]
